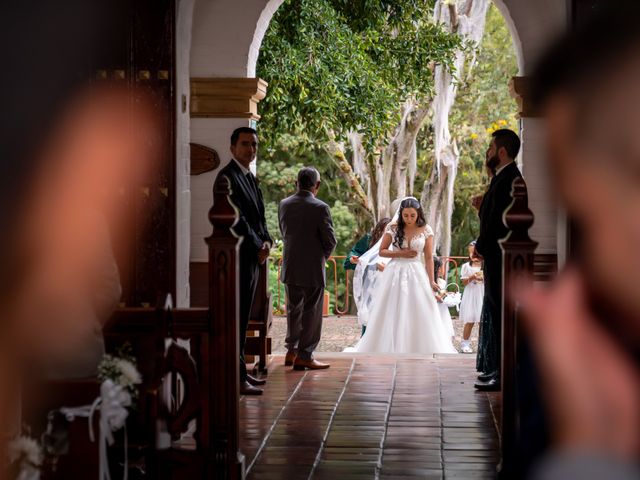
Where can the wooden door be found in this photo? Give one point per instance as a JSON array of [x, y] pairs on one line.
[[141, 53]]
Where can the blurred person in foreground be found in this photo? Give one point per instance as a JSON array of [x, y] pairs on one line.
[[584, 330], [66, 149]]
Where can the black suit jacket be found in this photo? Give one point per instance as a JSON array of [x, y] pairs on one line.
[[307, 232], [251, 225], [495, 202]]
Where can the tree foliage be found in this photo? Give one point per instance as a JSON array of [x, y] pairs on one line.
[[336, 66], [277, 181], [483, 105]]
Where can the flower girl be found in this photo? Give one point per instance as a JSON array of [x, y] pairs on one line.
[[472, 297]]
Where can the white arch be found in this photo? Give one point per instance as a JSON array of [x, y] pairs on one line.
[[227, 35], [515, 38], [258, 36], [533, 25]]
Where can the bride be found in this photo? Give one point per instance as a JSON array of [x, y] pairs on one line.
[[404, 316]]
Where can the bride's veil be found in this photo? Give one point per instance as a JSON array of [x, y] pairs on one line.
[[365, 273]]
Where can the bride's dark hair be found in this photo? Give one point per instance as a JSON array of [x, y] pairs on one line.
[[421, 222]]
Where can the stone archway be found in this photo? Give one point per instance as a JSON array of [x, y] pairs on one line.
[[219, 42]]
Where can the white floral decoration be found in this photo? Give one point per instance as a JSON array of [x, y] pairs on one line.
[[26, 450], [121, 370], [129, 374]]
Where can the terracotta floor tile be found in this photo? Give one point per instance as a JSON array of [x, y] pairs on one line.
[[330, 424]]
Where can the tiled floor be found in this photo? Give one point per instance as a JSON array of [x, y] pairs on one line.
[[369, 417], [344, 331]]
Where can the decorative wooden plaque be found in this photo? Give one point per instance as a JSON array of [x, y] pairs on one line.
[[203, 159]]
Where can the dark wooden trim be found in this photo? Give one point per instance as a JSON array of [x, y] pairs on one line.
[[517, 264], [226, 459], [545, 266], [260, 321], [199, 284], [520, 89], [261, 317], [581, 10]]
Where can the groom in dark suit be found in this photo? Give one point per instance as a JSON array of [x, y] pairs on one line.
[[252, 226], [501, 154], [307, 232]]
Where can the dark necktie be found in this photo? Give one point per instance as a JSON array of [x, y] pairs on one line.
[[252, 183]]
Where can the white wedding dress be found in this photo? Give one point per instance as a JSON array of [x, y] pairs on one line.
[[404, 315]]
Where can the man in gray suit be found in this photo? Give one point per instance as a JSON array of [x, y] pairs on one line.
[[307, 231]]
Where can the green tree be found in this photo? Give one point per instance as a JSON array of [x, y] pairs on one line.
[[483, 105], [339, 68], [305, 104]]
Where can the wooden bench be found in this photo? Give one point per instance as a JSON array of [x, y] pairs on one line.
[[185, 423], [519, 261], [260, 321], [545, 266]]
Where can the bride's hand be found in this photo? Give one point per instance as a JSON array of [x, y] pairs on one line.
[[435, 287], [409, 253]]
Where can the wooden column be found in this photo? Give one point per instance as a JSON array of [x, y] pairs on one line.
[[226, 97], [520, 89], [227, 460], [517, 263]]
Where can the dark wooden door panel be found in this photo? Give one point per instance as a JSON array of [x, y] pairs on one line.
[[141, 54]]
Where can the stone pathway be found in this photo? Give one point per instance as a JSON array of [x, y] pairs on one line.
[[371, 417], [341, 332]]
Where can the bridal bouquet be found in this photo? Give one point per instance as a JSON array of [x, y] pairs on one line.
[[121, 371]]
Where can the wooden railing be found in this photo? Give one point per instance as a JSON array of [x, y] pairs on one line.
[[334, 262], [186, 420], [224, 294], [517, 263], [520, 264]]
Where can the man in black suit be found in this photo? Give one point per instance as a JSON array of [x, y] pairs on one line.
[[252, 226], [501, 154], [307, 231]]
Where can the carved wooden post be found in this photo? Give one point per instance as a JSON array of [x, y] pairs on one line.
[[517, 261], [228, 461]]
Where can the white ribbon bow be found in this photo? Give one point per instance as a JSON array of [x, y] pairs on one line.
[[112, 403]]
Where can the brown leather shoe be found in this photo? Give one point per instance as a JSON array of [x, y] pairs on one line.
[[302, 364], [247, 389], [256, 382], [289, 358]]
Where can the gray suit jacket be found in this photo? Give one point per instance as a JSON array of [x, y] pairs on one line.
[[307, 231]]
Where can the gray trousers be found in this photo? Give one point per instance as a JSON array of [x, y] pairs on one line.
[[304, 319]]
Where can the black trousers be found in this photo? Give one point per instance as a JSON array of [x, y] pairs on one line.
[[304, 319], [249, 273], [490, 342]]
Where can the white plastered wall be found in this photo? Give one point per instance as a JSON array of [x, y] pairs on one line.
[[226, 40], [184, 15]]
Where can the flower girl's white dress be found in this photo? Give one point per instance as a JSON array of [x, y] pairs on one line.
[[404, 316], [472, 297]]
